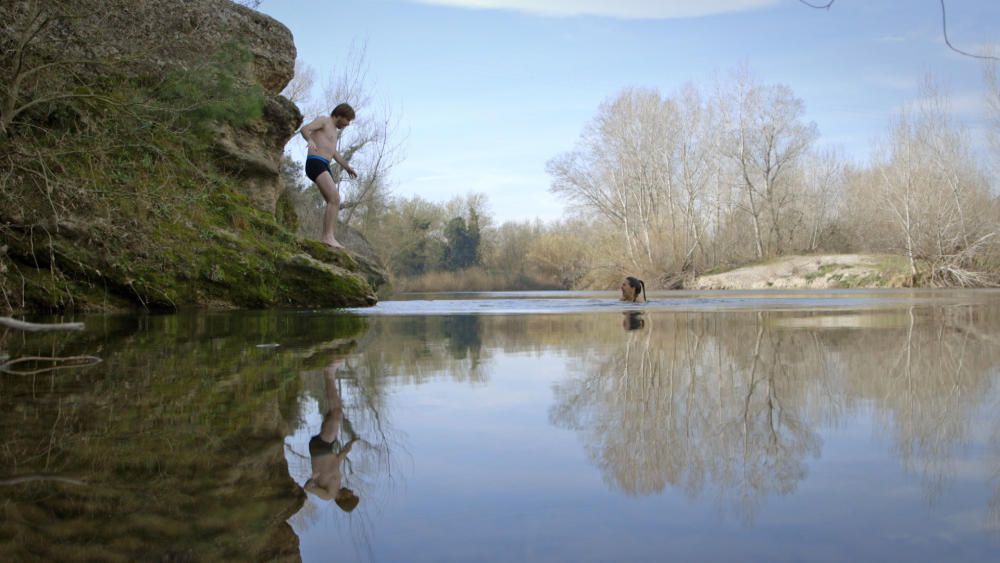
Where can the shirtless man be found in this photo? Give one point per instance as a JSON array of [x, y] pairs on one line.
[[322, 135], [326, 451]]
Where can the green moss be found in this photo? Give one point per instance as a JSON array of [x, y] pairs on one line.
[[144, 217], [285, 213]]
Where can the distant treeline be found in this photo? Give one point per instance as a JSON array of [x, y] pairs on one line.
[[668, 187]]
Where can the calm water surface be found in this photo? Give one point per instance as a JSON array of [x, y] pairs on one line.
[[543, 426]]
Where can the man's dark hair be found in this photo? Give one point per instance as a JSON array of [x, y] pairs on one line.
[[343, 110]]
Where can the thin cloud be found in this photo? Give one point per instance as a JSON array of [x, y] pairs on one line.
[[966, 105], [626, 9]]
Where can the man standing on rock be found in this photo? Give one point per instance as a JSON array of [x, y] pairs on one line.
[[322, 135]]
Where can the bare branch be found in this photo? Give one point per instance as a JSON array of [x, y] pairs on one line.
[[944, 28], [38, 327], [823, 7], [68, 362]]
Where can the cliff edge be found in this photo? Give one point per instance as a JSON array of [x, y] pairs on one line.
[[140, 146]]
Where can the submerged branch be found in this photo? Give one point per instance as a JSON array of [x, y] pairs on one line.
[[29, 478], [77, 361]]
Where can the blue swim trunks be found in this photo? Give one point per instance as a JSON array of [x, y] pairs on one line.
[[316, 165]]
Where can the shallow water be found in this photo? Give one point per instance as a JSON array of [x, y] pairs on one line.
[[542, 426]]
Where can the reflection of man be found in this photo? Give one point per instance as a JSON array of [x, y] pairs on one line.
[[326, 452]]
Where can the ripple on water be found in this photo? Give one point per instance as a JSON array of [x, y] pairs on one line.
[[558, 302]]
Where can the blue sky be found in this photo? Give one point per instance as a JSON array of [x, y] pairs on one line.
[[489, 90]]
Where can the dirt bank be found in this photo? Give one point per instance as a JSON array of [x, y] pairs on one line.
[[818, 272]]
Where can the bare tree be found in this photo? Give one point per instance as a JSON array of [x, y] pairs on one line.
[[299, 88], [937, 197], [696, 123], [683, 177], [991, 76], [823, 180], [29, 80], [622, 170], [769, 139]]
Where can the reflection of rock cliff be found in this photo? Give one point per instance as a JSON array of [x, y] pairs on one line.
[[140, 154], [170, 450]]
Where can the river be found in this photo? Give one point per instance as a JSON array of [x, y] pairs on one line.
[[514, 426]]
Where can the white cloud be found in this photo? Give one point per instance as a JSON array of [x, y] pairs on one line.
[[628, 9]]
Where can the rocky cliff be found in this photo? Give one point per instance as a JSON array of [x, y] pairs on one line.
[[139, 161]]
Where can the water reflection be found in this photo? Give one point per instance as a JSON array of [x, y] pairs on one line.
[[343, 447], [632, 320], [400, 438], [328, 450], [171, 449], [732, 403], [730, 407]]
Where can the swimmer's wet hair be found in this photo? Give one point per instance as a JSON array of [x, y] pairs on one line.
[[343, 110]]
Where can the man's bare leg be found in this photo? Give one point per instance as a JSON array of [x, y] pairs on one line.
[[334, 415], [331, 195]]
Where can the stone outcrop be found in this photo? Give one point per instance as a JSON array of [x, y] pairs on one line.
[[253, 152], [210, 237], [155, 37]]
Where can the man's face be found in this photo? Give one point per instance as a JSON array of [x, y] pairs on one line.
[[340, 121]]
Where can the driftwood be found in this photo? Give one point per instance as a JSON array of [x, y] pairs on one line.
[[38, 327], [55, 363]]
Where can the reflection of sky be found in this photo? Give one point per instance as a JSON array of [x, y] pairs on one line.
[[492, 479]]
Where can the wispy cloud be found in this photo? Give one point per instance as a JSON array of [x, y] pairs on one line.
[[626, 9], [963, 106]]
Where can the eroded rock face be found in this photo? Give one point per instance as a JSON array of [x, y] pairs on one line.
[[161, 35], [200, 242], [156, 37], [253, 152]]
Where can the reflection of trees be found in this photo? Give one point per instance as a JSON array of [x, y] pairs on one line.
[[934, 373], [672, 407], [418, 348], [391, 352], [729, 402], [721, 403]]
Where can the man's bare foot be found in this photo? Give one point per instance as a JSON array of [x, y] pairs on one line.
[[333, 243]]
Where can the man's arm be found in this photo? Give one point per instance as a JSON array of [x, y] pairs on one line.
[[343, 164], [308, 129], [347, 447]]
